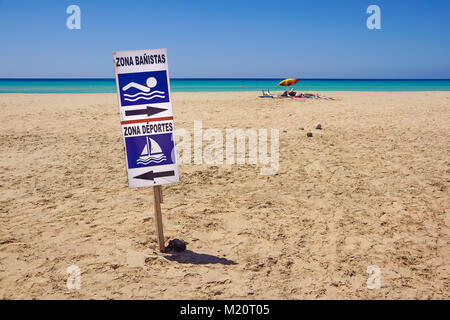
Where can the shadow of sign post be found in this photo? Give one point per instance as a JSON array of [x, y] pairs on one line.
[[191, 257]]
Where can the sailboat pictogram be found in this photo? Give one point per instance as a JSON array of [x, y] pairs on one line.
[[152, 153]]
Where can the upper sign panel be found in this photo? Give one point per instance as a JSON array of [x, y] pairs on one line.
[[143, 84]]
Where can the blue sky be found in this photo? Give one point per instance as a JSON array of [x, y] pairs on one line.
[[234, 39]]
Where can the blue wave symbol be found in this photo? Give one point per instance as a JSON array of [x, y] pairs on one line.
[[145, 96], [142, 93], [152, 159]]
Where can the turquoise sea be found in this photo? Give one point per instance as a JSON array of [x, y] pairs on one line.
[[211, 85]]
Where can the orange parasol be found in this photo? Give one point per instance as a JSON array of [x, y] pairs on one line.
[[288, 82]]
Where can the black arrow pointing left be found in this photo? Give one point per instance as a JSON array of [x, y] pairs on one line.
[[149, 111], [152, 175]]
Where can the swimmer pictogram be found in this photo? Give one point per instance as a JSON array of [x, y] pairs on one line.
[[143, 88]]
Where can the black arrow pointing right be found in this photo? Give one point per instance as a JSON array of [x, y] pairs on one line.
[[149, 111]]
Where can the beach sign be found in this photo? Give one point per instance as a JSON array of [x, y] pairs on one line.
[[145, 108]]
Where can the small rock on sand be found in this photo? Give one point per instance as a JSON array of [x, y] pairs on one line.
[[319, 126], [301, 128], [176, 245], [309, 134]]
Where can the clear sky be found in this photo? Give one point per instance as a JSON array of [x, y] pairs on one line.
[[231, 39]]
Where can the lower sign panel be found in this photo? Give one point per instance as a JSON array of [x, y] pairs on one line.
[[153, 176], [150, 154]]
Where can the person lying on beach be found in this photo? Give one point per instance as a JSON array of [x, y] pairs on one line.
[[287, 94]]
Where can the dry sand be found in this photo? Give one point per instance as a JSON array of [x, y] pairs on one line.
[[371, 188]]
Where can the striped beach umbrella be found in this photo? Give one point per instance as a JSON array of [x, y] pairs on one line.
[[288, 82]]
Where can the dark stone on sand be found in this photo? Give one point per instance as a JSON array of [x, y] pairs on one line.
[[301, 128], [319, 127], [309, 134], [176, 245]]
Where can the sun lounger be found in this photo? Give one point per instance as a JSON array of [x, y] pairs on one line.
[[266, 94]]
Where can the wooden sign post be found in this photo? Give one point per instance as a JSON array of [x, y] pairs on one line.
[[157, 196]]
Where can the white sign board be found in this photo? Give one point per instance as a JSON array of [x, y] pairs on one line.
[[145, 107]]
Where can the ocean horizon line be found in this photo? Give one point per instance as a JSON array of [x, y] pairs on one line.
[[108, 85]]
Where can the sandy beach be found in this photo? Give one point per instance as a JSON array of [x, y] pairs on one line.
[[370, 188]]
